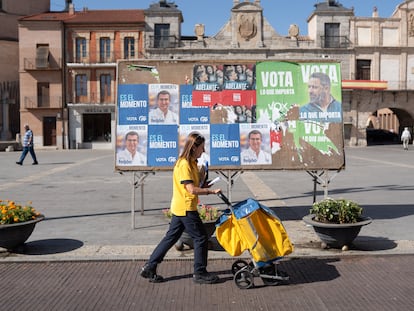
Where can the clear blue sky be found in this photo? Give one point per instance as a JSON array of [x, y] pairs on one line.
[[215, 13]]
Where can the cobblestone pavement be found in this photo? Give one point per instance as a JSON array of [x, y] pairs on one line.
[[333, 283]]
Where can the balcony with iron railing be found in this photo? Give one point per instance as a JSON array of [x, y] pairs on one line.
[[161, 42], [102, 58], [42, 64], [91, 98], [42, 102], [335, 42], [96, 58]]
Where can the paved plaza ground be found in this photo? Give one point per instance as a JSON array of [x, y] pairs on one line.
[[91, 245]]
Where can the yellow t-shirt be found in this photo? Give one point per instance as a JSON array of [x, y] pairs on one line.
[[182, 201]]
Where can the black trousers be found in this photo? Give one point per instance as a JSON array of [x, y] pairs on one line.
[[193, 225]]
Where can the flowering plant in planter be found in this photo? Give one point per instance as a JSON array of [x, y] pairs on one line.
[[15, 213], [339, 211], [206, 212], [337, 222]]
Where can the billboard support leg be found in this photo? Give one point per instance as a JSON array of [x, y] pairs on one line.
[[137, 181], [230, 177], [322, 178]]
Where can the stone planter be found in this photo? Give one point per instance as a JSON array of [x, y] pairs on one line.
[[187, 240], [14, 235], [336, 235]]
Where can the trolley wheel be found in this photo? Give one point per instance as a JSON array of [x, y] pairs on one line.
[[243, 279], [238, 265]]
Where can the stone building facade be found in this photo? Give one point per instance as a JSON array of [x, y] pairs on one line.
[[376, 56], [10, 12]]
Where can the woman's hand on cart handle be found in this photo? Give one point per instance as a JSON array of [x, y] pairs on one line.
[[224, 198], [214, 191], [208, 191]]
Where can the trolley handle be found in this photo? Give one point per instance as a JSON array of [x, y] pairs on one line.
[[224, 198]]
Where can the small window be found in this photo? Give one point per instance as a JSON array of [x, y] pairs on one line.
[[332, 37], [105, 82], [42, 56], [81, 85], [80, 49], [129, 47], [161, 35], [43, 99], [363, 71], [105, 49]]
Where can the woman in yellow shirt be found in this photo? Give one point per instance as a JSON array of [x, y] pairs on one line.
[[186, 189]]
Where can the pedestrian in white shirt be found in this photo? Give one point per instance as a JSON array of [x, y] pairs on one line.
[[405, 138]]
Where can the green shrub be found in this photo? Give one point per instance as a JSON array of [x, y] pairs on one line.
[[338, 211]]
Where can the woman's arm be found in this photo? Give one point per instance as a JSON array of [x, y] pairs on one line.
[[200, 191]]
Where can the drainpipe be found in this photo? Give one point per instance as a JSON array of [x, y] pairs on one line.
[[64, 88]]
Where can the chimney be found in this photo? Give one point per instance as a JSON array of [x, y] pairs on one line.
[[71, 9], [375, 12], [67, 5]]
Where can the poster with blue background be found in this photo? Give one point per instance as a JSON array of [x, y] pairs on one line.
[[225, 144], [162, 145], [132, 104], [190, 114]]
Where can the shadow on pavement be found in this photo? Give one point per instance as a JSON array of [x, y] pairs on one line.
[[364, 243], [48, 247], [375, 211], [310, 270], [300, 271]]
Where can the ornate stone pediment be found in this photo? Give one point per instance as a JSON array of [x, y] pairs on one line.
[[246, 23], [247, 26]]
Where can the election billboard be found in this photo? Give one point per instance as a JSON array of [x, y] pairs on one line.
[[254, 115]]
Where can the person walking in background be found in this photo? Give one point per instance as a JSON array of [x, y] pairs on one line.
[[405, 138], [186, 189], [27, 146]]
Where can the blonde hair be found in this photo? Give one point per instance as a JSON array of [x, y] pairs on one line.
[[194, 139]]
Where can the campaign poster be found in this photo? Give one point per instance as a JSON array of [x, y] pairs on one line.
[[255, 144], [202, 129], [163, 104], [190, 114], [302, 104], [162, 145], [239, 85], [228, 85], [207, 83], [302, 91], [224, 144], [131, 145], [132, 104]]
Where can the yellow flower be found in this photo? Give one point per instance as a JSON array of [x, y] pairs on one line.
[[12, 212]]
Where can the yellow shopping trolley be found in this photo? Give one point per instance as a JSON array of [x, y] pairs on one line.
[[251, 226]]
